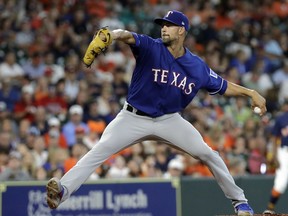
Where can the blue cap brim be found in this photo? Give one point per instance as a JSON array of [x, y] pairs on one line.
[[159, 21]]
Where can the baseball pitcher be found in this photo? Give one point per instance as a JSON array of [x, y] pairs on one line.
[[166, 78]]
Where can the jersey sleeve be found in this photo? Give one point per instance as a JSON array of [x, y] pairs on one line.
[[142, 42], [214, 84]]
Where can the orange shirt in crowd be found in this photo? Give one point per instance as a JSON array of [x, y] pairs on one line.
[[69, 163], [198, 169], [227, 143], [61, 140], [280, 8]]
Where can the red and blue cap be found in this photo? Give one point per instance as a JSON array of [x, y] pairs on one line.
[[175, 17]]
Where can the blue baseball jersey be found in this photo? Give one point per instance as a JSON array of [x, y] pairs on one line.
[[280, 128], [162, 84]]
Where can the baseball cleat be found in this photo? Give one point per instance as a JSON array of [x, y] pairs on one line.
[[54, 193], [244, 209], [269, 212]]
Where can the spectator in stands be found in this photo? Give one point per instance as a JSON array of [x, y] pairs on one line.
[[40, 121], [77, 152], [54, 102], [28, 163], [54, 138], [23, 127], [196, 168], [4, 113], [134, 169], [280, 78], [250, 128], [237, 167], [26, 106], [112, 19], [238, 61], [53, 72], [40, 174], [237, 157], [218, 140], [80, 134], [41, 89], [134, 153], [119, 84], [257, 78], [149, 169], [14, 171], [238, 110], [9, 68], [281, 74], [55, 163], [6, 142], [91, 138], [94, 120], [65, 38], [25, 36], [257, 157], [4, 158], [104, 101], [71, 84], [32, 134], [8, 125], [175, 168], [9, 94], [75, 120], [118, 169], [40, 154], [162, 155], [35, 68]]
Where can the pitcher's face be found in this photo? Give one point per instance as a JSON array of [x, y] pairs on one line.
[[170, 32]]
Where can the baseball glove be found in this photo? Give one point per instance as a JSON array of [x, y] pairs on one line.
[[102, 39]]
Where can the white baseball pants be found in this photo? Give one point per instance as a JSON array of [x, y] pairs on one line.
[[281, 175], [128, 128]]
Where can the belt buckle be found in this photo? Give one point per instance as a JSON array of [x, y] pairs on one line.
[[135, 111], [131, 108]]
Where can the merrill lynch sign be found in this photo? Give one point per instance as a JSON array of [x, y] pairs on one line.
[[99, 200], [119, 199]]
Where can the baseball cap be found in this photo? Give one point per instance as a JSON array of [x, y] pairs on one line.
[[175, 17], [76, 109], [175, 164], [27, 89], [53, 121]]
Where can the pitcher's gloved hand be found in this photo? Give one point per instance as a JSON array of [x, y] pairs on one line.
[[98, 45]]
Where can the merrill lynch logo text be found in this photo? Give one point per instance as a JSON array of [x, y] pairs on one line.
[[95, 200]]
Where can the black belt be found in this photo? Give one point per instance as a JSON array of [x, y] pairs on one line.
[[138, 112]]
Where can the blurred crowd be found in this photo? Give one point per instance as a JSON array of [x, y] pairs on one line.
[[53, 109]]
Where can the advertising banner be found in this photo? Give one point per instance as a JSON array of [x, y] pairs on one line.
[[100, 199]]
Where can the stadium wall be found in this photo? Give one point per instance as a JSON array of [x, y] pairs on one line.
[[137, 197]]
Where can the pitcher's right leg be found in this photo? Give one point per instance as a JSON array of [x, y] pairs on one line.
[[124, 130]]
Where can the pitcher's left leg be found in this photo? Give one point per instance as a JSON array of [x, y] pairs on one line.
[[182, 134]]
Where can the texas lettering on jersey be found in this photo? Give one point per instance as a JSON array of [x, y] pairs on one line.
[[161, 76], [163, 84]]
